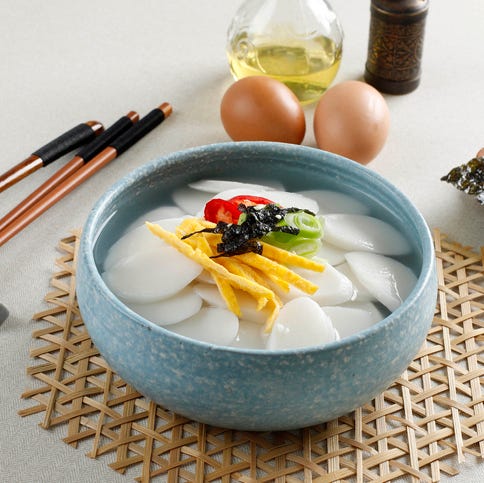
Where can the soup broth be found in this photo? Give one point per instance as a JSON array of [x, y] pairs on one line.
[[323, 285]]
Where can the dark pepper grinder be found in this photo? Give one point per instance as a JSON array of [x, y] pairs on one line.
[[395, 44]]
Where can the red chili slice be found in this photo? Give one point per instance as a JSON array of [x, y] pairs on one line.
[[221, 210], [227, 210], [249, 200]]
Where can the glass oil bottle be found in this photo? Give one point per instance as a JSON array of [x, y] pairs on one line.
[[298, 42]]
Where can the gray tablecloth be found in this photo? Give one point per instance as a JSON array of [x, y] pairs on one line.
[[68, 62]]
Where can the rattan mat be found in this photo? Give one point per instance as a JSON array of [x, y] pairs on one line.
[[427, 422]]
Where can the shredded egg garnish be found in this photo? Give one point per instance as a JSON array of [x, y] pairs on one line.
[[250, 272]]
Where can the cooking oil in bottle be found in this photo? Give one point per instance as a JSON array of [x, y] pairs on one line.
[[307, 69], [298, 42]]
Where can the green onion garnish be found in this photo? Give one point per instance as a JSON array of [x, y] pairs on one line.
[[309, 225], [306, 242]]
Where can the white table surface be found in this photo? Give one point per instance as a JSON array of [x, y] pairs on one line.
[[65, 62]]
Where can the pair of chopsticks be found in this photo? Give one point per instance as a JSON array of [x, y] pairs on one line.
[[72, 139], [106, 146]]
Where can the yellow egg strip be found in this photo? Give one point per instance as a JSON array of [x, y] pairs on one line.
[[204, 246], [191, 225], [239, 269], [289, 258], [206, 223], [228, 294], [208, 263], [262, 278], [277, 254], [248, 272], [279, 282], [258, 276], [188, 226], [234, 265], [272, 317], [223, 285], [280, 271]]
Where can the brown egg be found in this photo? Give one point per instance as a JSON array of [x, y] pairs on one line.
[[352, 119], [480, 153], [260, 108]]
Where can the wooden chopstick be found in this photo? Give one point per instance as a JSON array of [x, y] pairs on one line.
[[115, 149], [82, 157], [72, 139]]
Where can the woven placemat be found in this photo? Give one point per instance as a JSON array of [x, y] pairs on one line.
[[422, 426]]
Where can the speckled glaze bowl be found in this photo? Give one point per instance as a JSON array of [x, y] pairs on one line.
[[242, 388]]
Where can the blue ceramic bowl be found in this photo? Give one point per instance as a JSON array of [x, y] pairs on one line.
[[242, 388]]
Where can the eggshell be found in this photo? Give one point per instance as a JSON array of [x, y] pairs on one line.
[[352, 119], [260, 108]]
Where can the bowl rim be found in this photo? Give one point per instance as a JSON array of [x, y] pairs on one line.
[[90, 234]]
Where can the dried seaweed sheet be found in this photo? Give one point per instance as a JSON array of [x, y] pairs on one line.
[[469, 178]]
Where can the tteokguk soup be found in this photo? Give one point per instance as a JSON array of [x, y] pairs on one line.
[[254, 266]]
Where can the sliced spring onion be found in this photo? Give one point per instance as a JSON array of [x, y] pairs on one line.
[[309, 225], [306, 242], [305, 247]]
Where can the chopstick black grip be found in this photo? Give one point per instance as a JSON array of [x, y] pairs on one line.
[[140, 129], [105, 139], [66, 142]]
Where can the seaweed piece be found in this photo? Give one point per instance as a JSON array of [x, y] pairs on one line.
[[468, 178], [257, 222]]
